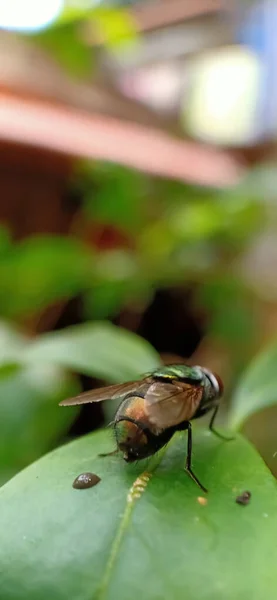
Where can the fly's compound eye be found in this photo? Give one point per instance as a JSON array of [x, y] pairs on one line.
[[220, 384], [215, 381]]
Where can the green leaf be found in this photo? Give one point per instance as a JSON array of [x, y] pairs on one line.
[[30, 419], [232, 317], [5, 240], [122, 540], [113, 194], [105, 299], [257, 388], [115, 26], [98, 349], [12, 345], [68, 48], [74, 11], [41, 270]]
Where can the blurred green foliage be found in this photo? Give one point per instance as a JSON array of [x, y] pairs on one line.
[[164, 234], [68, 49], [131, 236], [79, 27], [29, 421], [258, 387], [39, 271]]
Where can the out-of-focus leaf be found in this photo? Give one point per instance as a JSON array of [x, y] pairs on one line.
[[156, 244], [41, 270], [105, 300], [30, 419], [196, 221], [75, 10], [68, 48], [115, 26], [232, 318], [230, 215], [101, 350], [116, 281], [115, 265], [108, 298], [102, 543], [257, 388], [119, 198], [12, 345], [5, 241]]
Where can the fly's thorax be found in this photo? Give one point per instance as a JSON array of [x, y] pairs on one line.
[[193, 375]]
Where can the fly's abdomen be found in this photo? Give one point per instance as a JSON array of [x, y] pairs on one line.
[[130, 424]]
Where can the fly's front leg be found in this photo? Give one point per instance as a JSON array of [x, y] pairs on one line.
[[188, 461], [113, 453], [211, 427]]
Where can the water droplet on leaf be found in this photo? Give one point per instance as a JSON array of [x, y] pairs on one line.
[[85, 480]]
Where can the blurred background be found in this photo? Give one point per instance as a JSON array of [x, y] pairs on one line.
[[137, 196]]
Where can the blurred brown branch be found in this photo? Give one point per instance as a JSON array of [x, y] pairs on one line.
[[160, 14], [91, 136]]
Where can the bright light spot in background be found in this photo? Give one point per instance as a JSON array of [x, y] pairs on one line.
[[28, 15], [158, 86], [224, 97]]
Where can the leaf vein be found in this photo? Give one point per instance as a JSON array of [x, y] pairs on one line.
[[136, 490]]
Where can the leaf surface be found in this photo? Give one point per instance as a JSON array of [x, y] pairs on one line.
[[98, 349], [142, 530], [257, 388]]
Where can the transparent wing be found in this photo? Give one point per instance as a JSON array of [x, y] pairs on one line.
[[159, 392], [167, 405], [110, 392]]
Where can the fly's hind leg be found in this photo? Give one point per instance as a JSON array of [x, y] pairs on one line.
[[188, 461], [211, 427]]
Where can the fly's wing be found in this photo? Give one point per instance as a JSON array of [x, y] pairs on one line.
[[167, 405], [110, 392]]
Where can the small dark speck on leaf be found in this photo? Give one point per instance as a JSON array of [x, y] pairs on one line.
[[85, 480], [244, 498]]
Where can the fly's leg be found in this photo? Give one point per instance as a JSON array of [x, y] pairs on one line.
[[113, 453], [188, 461], [211, 427]]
